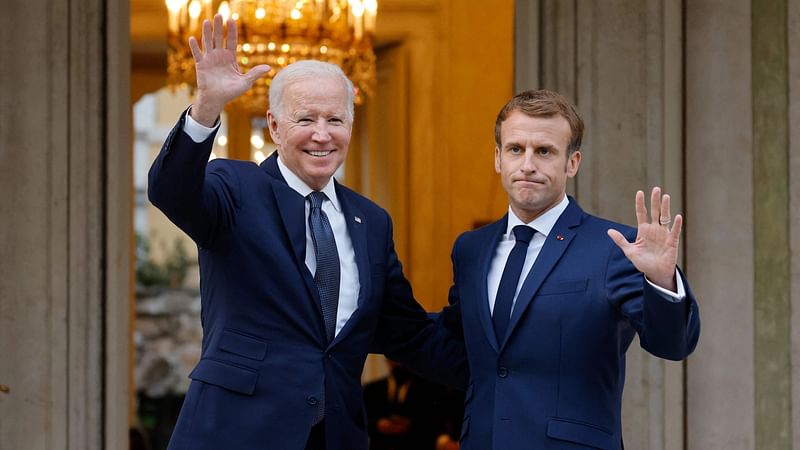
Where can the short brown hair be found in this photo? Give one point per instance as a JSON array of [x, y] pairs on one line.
[[543, 103]]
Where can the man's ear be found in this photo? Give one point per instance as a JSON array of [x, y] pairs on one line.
[[573, 163], [272, 124], [497, 159]]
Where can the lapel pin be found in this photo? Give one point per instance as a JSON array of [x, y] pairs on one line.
[[358, 219], [559, 237]]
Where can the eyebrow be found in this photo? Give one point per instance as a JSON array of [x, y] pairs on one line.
[[517, 144]]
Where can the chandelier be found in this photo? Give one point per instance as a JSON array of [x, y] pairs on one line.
[[278, 33]]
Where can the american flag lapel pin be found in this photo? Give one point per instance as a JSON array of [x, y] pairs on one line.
[[559, 237], [358, 219]]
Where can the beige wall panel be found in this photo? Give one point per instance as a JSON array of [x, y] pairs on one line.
[[52, 236], [614, 79], [33, 239], [119, 245], [719, 224], [794, 200], [526, 45]]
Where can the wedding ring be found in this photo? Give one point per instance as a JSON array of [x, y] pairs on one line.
[[665, 220]]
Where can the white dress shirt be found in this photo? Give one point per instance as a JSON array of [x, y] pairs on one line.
[[543, 225], [349, 284]]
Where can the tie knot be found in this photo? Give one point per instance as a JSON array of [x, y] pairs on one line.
[[523, 233], [316, 198]]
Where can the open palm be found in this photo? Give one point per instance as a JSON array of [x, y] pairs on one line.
[[219, 79], [655, 250]]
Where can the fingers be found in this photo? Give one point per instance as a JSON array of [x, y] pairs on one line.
[[196, 52], [208, 43], [676, 227], [257, 72], [641, 211], [619, 239], [219, 32], [232, 35], [655, 204], [664, 216]]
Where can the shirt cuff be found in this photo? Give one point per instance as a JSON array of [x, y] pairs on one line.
[[674, 297], [197, 132]]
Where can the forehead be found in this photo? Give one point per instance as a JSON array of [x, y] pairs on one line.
[[319, 94], [520, 128]]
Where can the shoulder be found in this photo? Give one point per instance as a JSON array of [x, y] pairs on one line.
[[602, 225], [479, 236], [236, 172], [231, 166], [361, 203]]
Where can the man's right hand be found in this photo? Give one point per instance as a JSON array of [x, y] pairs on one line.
[[219, 79]]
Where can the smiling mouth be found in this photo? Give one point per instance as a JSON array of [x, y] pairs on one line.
[[319, 154]]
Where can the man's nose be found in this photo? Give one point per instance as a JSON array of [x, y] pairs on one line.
[[528, 162], [321, 132]]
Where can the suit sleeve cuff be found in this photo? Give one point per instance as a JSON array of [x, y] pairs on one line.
[[675, 297], [197, 132]]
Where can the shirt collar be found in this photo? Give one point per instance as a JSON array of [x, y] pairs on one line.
[[543, 224], [302, 188]]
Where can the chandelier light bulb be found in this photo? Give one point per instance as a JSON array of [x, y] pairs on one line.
[[225, 11], [195, 9], [174, 6]]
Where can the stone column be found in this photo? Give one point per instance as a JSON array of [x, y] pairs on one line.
[[740, 101], [65, 229]]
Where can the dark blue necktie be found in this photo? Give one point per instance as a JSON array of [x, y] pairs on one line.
[[327, 276], [508, 282]]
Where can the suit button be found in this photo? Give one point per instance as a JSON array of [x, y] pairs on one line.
[[502, 372], [311, 400]]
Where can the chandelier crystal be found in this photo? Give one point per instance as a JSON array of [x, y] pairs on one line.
[[278, 33]]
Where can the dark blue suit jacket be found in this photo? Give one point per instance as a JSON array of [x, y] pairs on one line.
[[555, 381], [265, 363]]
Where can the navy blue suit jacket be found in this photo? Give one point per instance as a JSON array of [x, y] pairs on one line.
[[265, 363], [555, 381]]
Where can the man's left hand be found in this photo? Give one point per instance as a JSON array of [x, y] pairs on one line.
[[655, 251]]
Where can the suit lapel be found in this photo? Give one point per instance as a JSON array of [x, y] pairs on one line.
[[496, 231], [291, 209], [357, 229], [554, 247]]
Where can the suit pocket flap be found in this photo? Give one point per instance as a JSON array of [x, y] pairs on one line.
[[243, 345], [234, 378], [580, 433], [563, 287]]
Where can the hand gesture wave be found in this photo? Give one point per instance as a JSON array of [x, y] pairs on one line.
[[655, 250], [219, 78]]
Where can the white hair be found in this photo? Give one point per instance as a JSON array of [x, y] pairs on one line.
[[303, 69]]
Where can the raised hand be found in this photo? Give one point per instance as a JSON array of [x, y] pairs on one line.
[[219, 79], [655, 251]]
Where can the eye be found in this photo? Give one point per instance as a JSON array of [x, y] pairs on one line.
[[515, 150], [544, 151], [335, 120]]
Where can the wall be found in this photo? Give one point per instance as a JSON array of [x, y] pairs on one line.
[[742, 80], [65, 232]]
